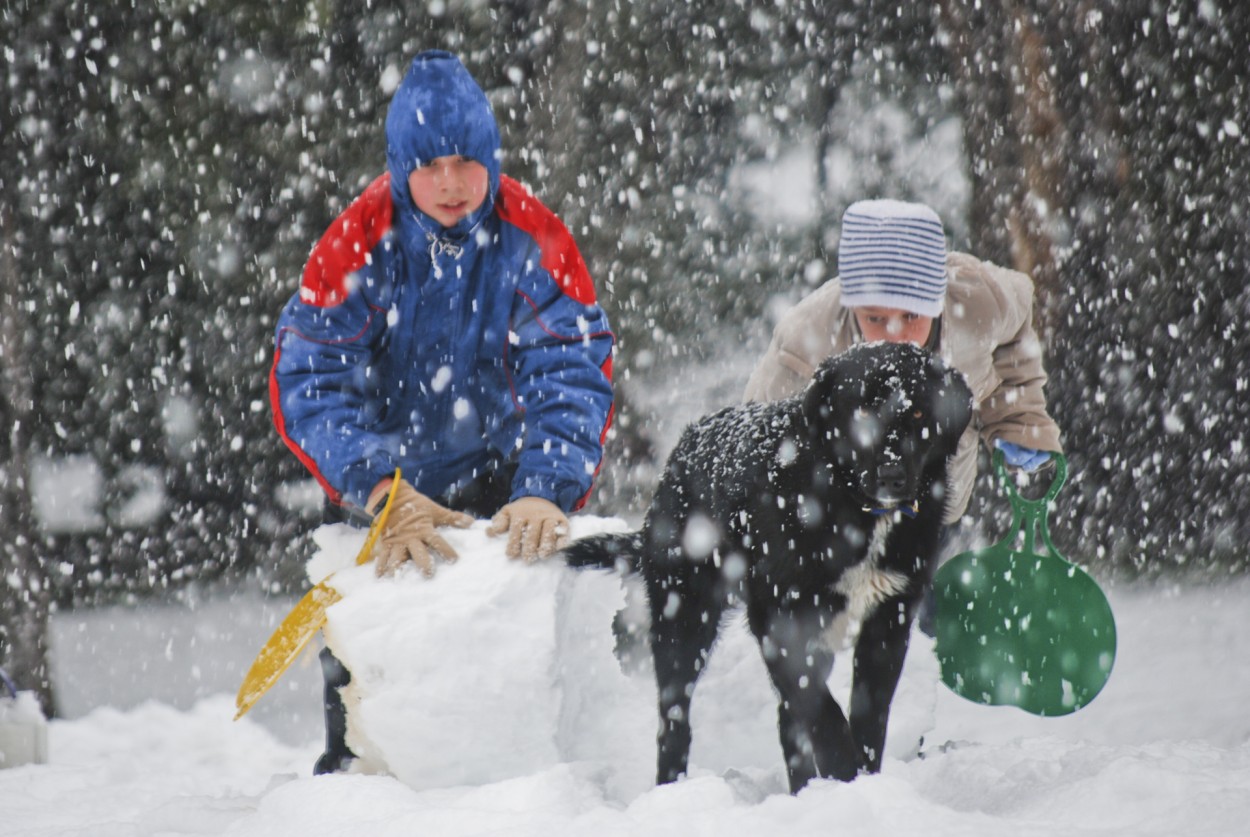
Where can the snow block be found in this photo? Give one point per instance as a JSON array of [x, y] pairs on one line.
[[495, 669], [485, 672]]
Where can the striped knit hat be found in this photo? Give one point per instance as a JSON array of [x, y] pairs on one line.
[[893, 255]]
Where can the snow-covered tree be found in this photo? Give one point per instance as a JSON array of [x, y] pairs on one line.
[[1109, 158]]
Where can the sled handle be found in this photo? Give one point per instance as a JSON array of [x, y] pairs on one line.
[[1032, 514]]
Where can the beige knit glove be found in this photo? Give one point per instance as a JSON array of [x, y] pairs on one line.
[[536, 528], [410, 532]]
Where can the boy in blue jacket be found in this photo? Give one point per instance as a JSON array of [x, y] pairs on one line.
[[446, 324]]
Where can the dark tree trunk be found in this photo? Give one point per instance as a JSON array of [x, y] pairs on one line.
[[1109, 158], [24, 594], [1014, 134]]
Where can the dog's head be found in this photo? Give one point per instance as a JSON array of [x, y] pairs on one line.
[[890, 413]]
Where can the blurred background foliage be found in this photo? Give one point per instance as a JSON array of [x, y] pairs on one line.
[[167, 165]]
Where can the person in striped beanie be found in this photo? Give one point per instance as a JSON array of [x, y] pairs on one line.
[[892, 264], [898, 282]]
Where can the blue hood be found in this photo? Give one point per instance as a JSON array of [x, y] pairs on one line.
[[438, 111]]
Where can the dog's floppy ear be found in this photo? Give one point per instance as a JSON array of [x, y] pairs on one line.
[[953, 405], [818, 398]]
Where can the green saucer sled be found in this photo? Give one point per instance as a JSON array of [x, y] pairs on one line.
[[1022, 627]]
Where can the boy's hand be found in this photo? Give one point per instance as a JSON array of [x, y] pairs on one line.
[[536, 528], [1026, 459], [410, 533]]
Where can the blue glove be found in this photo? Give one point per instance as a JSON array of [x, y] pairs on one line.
[[1026, 459]]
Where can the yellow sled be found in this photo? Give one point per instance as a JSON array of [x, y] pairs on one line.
[[304, 620]]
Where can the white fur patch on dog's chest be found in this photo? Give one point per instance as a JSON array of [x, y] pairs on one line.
[[865, 586]]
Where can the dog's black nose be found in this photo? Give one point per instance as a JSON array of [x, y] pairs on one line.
[[892, 479]]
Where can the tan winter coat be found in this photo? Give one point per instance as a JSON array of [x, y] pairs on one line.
[[987, 333]]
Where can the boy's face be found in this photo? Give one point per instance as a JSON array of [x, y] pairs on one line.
[[449, 188], [893, 325]]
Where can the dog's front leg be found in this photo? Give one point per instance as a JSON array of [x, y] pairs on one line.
[[815, 735], [879, 654]]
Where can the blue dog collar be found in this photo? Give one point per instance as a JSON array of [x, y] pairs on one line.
[[909, 511]]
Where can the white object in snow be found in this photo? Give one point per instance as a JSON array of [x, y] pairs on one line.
[[23, 729]]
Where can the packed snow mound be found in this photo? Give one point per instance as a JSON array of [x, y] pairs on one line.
[[495, 669], [23, 728]]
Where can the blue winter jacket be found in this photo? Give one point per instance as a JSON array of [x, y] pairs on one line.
[[445, 351]]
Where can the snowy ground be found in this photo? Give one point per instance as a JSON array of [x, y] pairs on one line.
[[149, 748]]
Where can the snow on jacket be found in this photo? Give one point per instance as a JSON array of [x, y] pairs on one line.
[[986, 333], [444, 351]]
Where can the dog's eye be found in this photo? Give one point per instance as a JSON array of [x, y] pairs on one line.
[[919, 414]]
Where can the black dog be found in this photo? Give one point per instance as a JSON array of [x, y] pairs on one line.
[[816, 512]]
